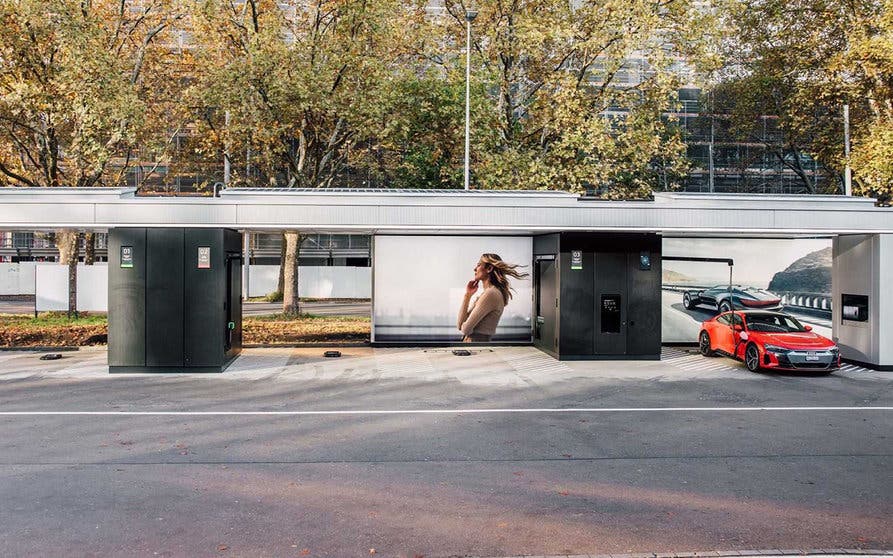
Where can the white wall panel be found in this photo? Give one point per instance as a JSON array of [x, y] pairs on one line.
[[52, 287], [862, 266], [17, 278]]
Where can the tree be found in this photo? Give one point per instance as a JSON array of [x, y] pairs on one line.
[[751, 110], [575, 91], [74, 89], [800, 61], [74, 94], [301, 83], [867, 67], [420, 141]]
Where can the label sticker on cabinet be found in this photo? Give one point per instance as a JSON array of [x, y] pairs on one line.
[[127, 256], [204, 257]]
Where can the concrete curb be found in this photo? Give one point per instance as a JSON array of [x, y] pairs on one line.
[[773, 553], [321, 345], [63, 349]]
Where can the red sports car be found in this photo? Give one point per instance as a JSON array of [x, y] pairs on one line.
[[768, 340]]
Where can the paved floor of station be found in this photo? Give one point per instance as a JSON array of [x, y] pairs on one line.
[[486, 366]]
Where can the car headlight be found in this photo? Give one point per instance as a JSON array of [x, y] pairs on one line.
[[776, 349]]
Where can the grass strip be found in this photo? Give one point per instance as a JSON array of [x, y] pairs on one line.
[[54, 329]]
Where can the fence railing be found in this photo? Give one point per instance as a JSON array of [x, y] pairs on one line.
[[314, 242], [27, 241], [812, 301]]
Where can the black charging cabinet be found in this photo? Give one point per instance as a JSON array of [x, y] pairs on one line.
[[174, 299]]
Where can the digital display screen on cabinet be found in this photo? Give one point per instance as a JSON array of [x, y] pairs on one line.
[[610, 313], [854, 308]]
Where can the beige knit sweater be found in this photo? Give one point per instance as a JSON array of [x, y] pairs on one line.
[[478, 322]]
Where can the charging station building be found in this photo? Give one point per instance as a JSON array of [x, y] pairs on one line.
[[610, 310]]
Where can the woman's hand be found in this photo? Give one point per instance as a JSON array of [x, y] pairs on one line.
[[471, 287]]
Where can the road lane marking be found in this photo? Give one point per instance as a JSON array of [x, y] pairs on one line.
[[438, 411]]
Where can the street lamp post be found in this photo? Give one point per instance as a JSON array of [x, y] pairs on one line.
[[847, 172], [226, 169], [469, 17]]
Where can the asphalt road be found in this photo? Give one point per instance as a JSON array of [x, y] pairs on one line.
[[317, 308], [17, 306], [421, 453]]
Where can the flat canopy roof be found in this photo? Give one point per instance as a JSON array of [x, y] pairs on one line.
[[444, 212]]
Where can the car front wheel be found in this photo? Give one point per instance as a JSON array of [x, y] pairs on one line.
[[704, 345], [752, 358], [686, 301], [724, 306]]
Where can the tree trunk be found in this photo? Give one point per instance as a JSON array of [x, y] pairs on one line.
[[67, 242], [290, 276], [89, 248], [73, 288], [281, 286]]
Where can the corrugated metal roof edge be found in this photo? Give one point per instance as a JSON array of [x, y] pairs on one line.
[[237, 194], [63, 190], [229, 192]]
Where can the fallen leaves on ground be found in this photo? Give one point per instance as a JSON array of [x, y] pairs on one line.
[[52, 329], [55, 330], [305, 329]]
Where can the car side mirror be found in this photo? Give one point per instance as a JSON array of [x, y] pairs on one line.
[[738, 327], [807, 327]]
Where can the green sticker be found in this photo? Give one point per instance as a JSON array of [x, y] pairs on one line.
[[127, 256]]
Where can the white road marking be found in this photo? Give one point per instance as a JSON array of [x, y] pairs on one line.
[[437, 411]]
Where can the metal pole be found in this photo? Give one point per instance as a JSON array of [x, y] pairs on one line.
[[848, 172], [732, 306], [467, 94], [246, 262], [226, 170], [731, 303], [710, 179]]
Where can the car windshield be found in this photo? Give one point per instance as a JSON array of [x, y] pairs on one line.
[[739, 288], [773, 323]]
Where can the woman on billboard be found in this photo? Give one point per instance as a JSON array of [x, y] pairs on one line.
[[478, 322]]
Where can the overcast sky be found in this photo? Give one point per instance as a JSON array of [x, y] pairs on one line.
[[756, 260]]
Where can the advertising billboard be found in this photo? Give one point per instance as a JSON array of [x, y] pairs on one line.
[[788, 275], [421, 286]]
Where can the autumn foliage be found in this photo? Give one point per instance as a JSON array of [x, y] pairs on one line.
[[56, 330]]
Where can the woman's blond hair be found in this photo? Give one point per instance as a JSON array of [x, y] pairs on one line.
[[499, 273]]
